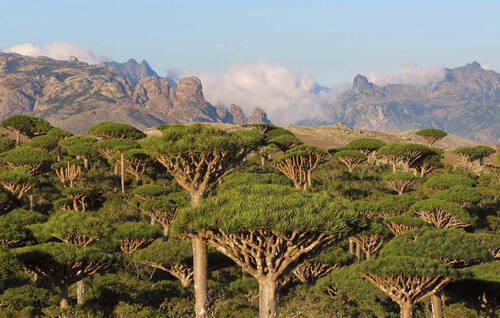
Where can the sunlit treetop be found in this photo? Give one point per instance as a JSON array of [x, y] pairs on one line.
[[110, 130]]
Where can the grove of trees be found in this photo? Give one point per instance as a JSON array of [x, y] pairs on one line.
[[203, 222]]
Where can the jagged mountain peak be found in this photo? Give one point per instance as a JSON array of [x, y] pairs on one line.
[[132, 70]]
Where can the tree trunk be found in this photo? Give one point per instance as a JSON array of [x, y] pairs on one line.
[[437, 305], [200, 277], [138, 180], [18, 137], [75, 206], [85, 163], [309, 182], [407, 167], [351, 246], [358, 252], [122, 171], [406, 310], [368, 255], [262, 161], [394, 167], [268, 301], [166, 233], [32, 204], [80, 292], [63, 298]]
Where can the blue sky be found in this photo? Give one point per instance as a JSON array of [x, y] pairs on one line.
[[330, 40]]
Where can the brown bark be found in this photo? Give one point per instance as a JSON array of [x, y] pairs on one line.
[[80, 292], [369, 243], [358, 252], [437, 305], [200, 277], [406, 310], [351, 246], [122, 171], [441, 218], [63, 298], [268, 304]]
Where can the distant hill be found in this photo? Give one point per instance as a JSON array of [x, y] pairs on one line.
[[74, 95], [466, 103]]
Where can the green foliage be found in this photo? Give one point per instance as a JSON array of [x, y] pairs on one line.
[[429, 132], [76, 225], [17, 175], [7, 201], [461, 195], [487, 272], [82, 150], [365, 145], [26, 299], [474, 153], [165, 203], [45, 142], [8, 263], [28, 125], [350, 154], [396, 204], [136, 230], [171, 251], [74, 191], [439, 245], [59, 133], [407, 265], [6, 144], [24, 217], [448, 180], [119, 145], [285, 141], [244, 178], [65, 161], [111, 130], [268, 207], [77, 140], [25, 156], [432, 205], [400, 175], [334, 255], [152, 190]]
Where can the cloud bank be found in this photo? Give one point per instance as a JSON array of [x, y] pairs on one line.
[[285, 97], [58, 51], [410, 73]]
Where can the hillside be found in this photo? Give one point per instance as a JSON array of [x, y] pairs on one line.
[[75, 95]]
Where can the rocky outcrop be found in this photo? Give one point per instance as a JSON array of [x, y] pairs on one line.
[[132, 70], [466, 103], [258, 116], [235, 115], [74, 95]]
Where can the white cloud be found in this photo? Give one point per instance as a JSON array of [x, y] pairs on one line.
[[486, 66], [410, 73], [58, 51], [272, 87]]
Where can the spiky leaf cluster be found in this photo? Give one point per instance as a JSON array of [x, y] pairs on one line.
[[448, 180], [111, 130]]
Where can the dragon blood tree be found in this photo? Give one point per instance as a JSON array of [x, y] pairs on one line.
[[36, 161], [199, 157], [298, 163], [429, 161], [453, 247], [111, 147], [400, 181], [15, 224], [135, 162], [111, 130], [68, 171], [371, 239], [63, 264], [77, 196], [319, 266], [431, 136], [80, 229], [81, 147], [472, 154], [393, 205], [462, 196], [148, 191], [365, 145], [162, 210], [407, 280], [351, 158], [27, 125], [173, 256], [403, 223], [17, 181], [268, 230], [492, 242], [135, 235], [448, 180], [441, 214]]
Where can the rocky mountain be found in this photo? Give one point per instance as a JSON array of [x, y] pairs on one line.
[[132, 70], [74, 95], [258, 116], [466, 102]]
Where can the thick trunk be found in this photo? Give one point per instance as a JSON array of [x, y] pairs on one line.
[[85, 163], [394, 167], [138, 180], [368, 255], [351, 246], [407, 167], [358, 252], [63, 298], [268, 300], [75, 206], [406, 310], [18, 137], [122, 171], [200, 277], [80, 292], [166, 233], [196, 198], [262, 161], [437, 306], [32, 204], [309, 182]]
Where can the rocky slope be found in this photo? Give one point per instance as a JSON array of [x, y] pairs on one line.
[[466, 102], [75, 95]]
